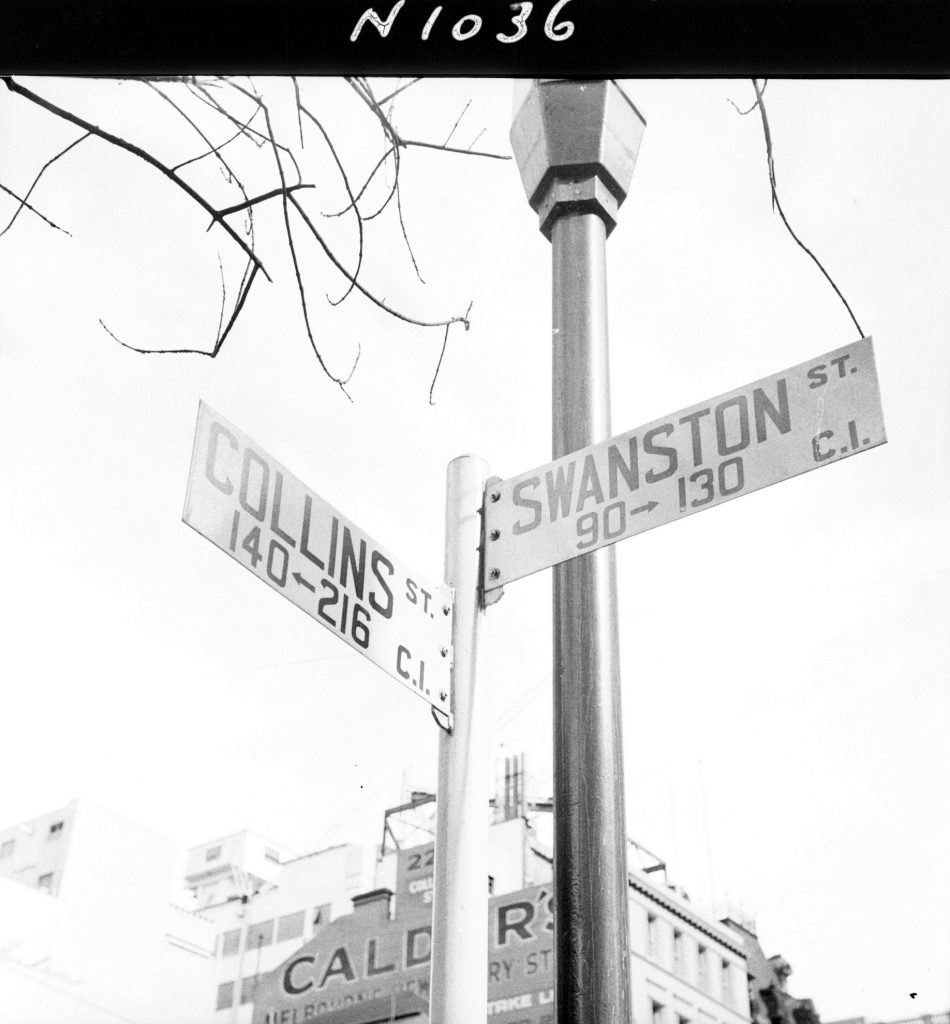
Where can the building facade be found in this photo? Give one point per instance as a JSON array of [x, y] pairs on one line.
[[88, 931], [769, 998], [262, 907], [685, 969]]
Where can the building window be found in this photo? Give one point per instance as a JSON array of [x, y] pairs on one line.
[[290, 926], [652, 944], [212, 853], [247, 989], [230, 942], [55, 830], [726, 975], [261, 934], [703, 978], [679, 963], [45, 882], [272, 855], [225, 995], [7, 847], [657, 1016], [321, 915]]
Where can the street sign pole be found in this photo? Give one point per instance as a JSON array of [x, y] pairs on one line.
[[576, 144], [458, 986]]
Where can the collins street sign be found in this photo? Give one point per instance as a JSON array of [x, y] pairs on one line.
[[244, 501], [811, 415]]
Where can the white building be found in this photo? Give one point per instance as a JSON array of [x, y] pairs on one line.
[[263, 903], [88, 931], [684, 968]]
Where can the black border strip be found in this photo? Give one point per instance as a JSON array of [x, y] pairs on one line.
[[610, 38]]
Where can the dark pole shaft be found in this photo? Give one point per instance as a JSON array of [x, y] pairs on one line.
[[590, 850]]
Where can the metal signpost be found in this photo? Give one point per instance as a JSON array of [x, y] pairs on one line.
[[576, 145], [808, 416], [245, 502], [459, 987]]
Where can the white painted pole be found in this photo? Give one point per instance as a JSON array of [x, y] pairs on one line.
[[459, 973]]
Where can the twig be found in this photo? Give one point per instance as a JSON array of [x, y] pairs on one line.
[[286, 198], [253, 136], [227, 211], [24, 204], [349, 192], [742, 113], [778, 206], [457, 120], [270, 138], [215, 149], [224, 299], [405, 236], [238, 306], [42, 171], [293, 79], [359, 195], [363, 290], [453, 149], [396, 92], [445, 341]]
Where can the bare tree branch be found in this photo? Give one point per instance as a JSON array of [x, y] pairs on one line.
[[457, 121], [365, 292], [405, 236], [238, 306], [238, 104], [142, 154], [742, 113], [285, 197], [372, 174], [396, 92], [445, 341], [25, 205], [216, 149], [349, 192], [453, 149], [244, 128], [23, 202], [274, 192], [776, 205], [293, 79]]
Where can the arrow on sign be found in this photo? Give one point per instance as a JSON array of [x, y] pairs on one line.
[[304, 582], [648, 507]]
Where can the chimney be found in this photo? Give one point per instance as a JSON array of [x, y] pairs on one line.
[[373, 905]]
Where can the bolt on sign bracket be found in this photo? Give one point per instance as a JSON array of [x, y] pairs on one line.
[[494, 595]]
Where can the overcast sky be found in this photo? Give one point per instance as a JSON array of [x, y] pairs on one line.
[[785, 657]]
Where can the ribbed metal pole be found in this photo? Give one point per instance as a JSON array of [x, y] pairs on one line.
[[459, 972], [590, 850]]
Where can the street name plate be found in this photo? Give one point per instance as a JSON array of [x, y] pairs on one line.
[[244, 501], [808, 416]]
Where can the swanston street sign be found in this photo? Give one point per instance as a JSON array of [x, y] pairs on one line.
[[244, 501], [814, 414]]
